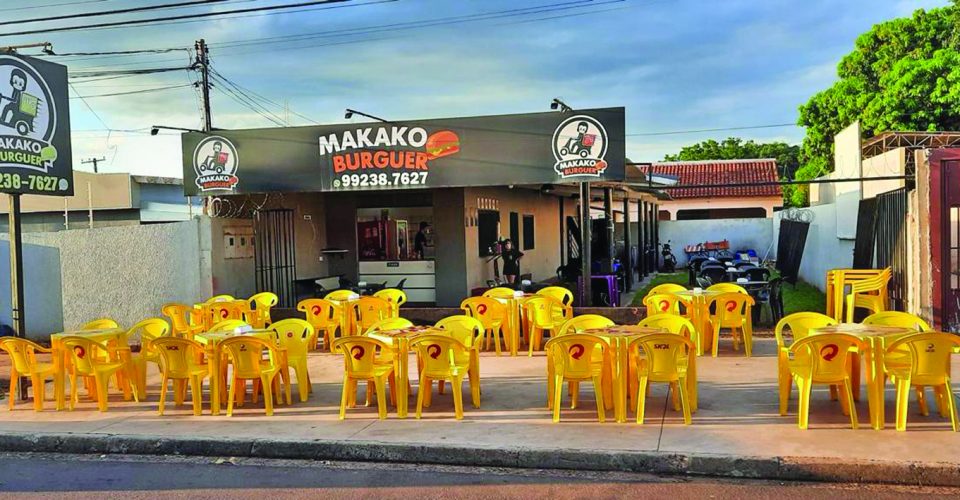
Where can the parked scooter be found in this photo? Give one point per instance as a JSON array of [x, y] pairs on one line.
[[669, 260]]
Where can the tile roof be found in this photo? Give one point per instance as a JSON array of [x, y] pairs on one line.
[[697, 173]]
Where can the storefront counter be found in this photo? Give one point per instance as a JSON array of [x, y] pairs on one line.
[[420, 275]]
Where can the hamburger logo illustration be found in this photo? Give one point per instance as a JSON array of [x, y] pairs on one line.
[[442, 143], [579, 146], [215, 161]]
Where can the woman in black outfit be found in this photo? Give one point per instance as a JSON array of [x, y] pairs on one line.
[[511, 262]]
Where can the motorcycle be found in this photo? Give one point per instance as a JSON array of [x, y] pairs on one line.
[[669, 260]]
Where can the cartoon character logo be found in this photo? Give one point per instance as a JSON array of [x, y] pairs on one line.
[[579, 146], [28, 118], [215, 160]]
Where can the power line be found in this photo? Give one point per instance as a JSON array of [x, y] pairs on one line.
[[116, 52], [135, 22], [131, 92], [30, 7], [233, 95], [248, 101], [261, 97], [112, 12], [128, 72], [87, 104], [775, 125]]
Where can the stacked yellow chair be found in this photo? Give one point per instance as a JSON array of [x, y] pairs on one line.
[[869, 293]]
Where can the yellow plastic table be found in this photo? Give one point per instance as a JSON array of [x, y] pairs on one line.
[[619, 338], [103, 336], [698, 303], [348, 323], [876, 337], [211, 342]]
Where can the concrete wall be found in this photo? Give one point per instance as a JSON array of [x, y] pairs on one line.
[[823, 250], [41, 288], [893, 162], [230, 276], [450, 245], [742, 234], [768, 203]]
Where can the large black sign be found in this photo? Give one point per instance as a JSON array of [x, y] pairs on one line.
[[534, 148], [35, 156]]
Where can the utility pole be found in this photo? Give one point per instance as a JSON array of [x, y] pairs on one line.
[[203, 63], [94, 161]]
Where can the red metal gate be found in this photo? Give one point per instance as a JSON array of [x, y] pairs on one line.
[[945, 237]]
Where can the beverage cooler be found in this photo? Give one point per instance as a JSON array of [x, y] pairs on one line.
[[384, 239]]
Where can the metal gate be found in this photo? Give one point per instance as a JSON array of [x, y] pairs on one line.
[[891, 242], [275, 254], [950, 256]]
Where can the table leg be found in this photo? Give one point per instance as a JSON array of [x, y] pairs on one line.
[[877, 386], [213, 361], [401, 368], [514, 310], [59, 375], [620, 381], [130, 385]]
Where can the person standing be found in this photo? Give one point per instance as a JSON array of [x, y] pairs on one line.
[[511, 262], [420, 240]]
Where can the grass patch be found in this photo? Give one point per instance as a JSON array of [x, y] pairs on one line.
[[799, 298]]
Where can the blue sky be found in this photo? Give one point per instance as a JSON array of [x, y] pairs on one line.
[[674, 64]]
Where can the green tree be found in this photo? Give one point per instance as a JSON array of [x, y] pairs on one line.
[[903, 74], [734, 148]]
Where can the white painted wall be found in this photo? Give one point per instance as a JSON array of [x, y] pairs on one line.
[[41, 287], [742, 234]]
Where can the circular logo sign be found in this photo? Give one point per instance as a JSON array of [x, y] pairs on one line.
[[28, 117], [215, 160], [579, 146]]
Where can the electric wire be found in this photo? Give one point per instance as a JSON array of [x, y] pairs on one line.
[[114, 12], [262, 98], [132, 92], [62, 4]]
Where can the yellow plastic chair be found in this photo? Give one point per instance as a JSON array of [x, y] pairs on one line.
[[799, 325], [262, 303], [341, 295], [23, 363], [469, 332], [369, 310], [541, 314], [677, 325], [87, 359], [664, 357], [727, 288], [220, 298], [394, 296], [569, 363], [927, 364], [562, 295], [733, 310], [500, 292], [492, 314], [246, 354], [215, 312], [325, 317], [823, 359], [870, 294], [660, 303], [444, 358], [149, 330], [898, 318], [181, 316], [294, 335], [667, 288], [363, 360], [179, 362], [230, 325], [100, 324]]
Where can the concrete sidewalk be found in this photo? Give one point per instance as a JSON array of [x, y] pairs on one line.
[[737, 431]]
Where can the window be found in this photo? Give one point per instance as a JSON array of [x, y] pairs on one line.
[[528, 232], [488, 231], [515, 228]]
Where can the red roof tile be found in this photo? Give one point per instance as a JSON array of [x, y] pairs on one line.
[[698, 173]]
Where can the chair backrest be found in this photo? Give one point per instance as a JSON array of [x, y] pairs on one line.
[[246, 352], [485, 309], [85, 354], [727, 287], [100, 324], [369, 310], [540, 310], [262, 303], [827, 354], [704, 282], [388, 324], [874, 284], [564, 295], [179, 315], [319, 312], [665, 353], [583, 322], [673, 323], [572, 354], [294, 335], [667, 288], [229, 325], [499, 292], [392, 295], [221, 298], [178, 356], [660, 303], [714, 274], [930, 354], [464, 328], [744, 265], [341, 295], [220, 311], [149, 330], [442, 355], [359, 355], [800, 325], [897, 318], [22, 353], [731, 307], [401, 283], [758, 274]]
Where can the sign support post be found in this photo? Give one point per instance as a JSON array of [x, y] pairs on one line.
[[16, 277], [585, 250]]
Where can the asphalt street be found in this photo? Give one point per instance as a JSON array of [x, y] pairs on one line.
[[115, 476]]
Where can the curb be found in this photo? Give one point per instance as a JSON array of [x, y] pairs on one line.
[[729, 466]]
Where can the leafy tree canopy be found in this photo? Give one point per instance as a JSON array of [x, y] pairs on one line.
[[902, 75]]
